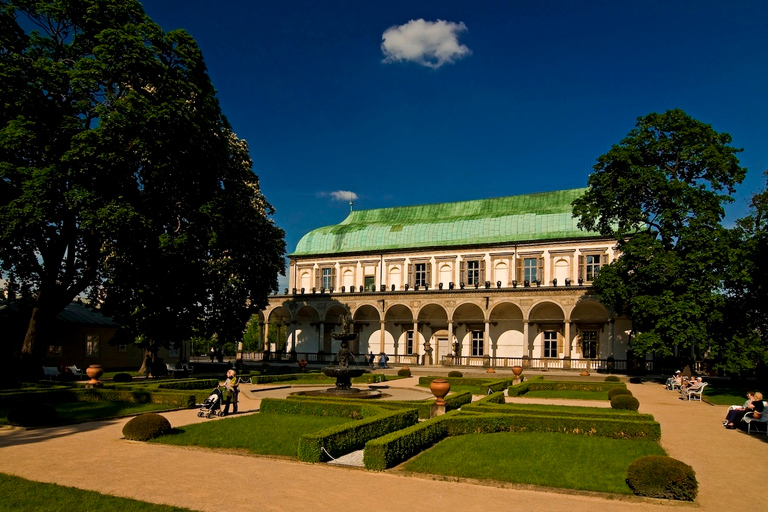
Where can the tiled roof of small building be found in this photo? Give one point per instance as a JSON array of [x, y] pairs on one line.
[[542, 216]]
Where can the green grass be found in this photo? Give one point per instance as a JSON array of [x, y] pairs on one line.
[[76, 412], [20, 495], [553, 460], [567, 394], [724, 394], [266, 434]]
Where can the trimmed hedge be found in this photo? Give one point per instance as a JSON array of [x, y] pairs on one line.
[[403, 372], [122, 377], [629, 428], [146, 426], [189, 384], [492, 384], [493, 398], [138, 395], [657, 476], [32, 415], [618, 391], [626, 402], [312, 406], [612, 378], [455, 374], [562, 410], [342, 439], [541, 385], [392, 449]]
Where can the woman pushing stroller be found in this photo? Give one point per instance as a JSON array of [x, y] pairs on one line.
[[230, 392]]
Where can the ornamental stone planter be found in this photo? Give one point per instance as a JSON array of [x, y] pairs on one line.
[[302, 364], [517, 370], [440, 388], [94, 371]]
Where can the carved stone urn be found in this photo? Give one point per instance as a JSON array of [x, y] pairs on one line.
[[302, 364], [517, 370], [94, 371], [439, 388]]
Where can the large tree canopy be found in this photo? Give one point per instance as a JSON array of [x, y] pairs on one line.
[[120, 176], [660, 193], [743, 341]]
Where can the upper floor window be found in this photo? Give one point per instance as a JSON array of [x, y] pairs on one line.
[[589, 266], [326, 278], [473, 272], [421, 274], [533, 269]]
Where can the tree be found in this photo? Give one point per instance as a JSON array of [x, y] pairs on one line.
[[742, 343], [120, 177], [660, 193]]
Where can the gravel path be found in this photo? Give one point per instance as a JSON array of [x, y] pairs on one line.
[[731, 468]]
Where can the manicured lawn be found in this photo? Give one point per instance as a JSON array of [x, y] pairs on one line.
[[724, 394], [553, 460], [567, 394], [76, 412], [20, 495], [266, 434]]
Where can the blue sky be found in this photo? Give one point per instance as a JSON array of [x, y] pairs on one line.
[[479, 99]]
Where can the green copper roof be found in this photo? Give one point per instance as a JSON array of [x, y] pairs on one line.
[[543, 216]]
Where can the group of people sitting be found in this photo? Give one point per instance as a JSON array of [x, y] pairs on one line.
[[754, 407], [684, 384]]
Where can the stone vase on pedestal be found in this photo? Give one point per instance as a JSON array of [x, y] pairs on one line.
[[439, 388], [94, 371], [517, 370]]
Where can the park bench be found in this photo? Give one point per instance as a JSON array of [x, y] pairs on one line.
[[753, 422], [77, 372], [51, 372], [179, 371], [693, 393]]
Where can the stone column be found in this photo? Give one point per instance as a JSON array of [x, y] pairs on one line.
[[567, 332], [487, 340], [526, 338], [416, 340], [383, 324]]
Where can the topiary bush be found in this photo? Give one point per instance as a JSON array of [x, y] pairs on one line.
[[122, 377], [618, 391], [657, 476], [455, 373], [625, 402], [612, 378], [32, 415], [404, 372], [146, 426]]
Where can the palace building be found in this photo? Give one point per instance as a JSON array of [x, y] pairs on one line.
[[489, 282]]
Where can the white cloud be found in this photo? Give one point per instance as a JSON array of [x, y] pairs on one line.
[[339, 195], [427, 43]]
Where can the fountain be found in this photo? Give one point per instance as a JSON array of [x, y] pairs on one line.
[[342, 370]]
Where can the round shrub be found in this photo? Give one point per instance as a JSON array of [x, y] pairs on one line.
[[625, 402], [146, 426], [657, 476], [32, 415], [403, 372], [122, 377], [455, 373], [618, 391], [612, 378]]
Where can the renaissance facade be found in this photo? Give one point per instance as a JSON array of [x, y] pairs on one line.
[[491, 282]]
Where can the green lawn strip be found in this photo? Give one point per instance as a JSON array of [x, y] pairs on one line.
[[563, 410], [555, 460], [724, 394], [567, 394], [266, 434], [21, 495]]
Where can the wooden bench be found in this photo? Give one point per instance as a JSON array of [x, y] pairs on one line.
[[51, 372]]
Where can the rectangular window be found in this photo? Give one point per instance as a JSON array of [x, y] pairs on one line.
[[370, 283], [477, 343], [409, 342], [420, 274], [530, 268], [589, 344], [55, 349], [122, 348], [593, 266], [550, 344], [473, 272], [327, 280], [91, 346]]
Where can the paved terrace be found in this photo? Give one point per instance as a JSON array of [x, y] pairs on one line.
[[731, 468]]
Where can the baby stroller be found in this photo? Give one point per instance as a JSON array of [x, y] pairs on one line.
[[212, 405]]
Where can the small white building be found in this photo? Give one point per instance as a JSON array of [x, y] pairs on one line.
[[496, 282]]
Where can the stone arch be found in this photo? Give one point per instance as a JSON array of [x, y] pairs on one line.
[[368, 330], [331, 319], [278, 328], [399, 319], [468, 318], [431, 319], [592, 339], [548, 322], [307, 331], [507, 330]]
